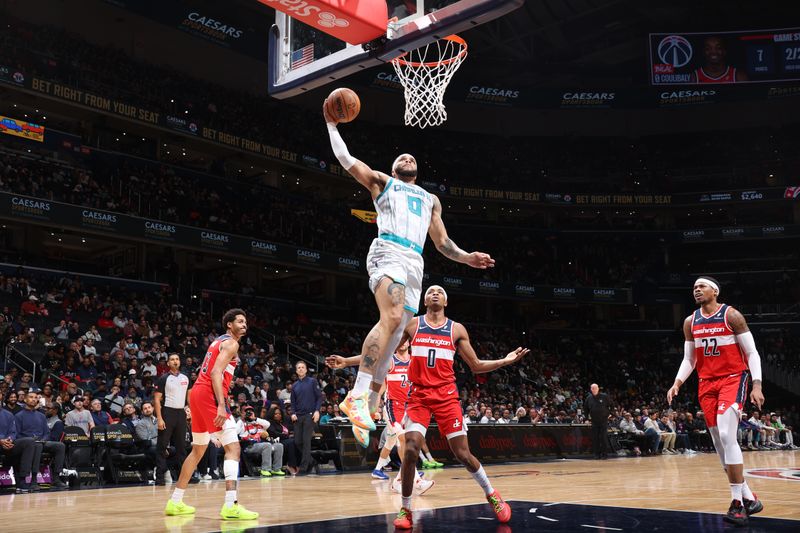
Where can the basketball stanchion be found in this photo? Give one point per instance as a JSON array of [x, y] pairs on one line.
[[425, 74]]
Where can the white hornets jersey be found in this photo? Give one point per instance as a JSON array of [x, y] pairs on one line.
[[404, 214]]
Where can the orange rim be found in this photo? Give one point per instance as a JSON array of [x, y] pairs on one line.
[[432, 64]]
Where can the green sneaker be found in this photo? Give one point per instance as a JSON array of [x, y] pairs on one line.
[[437, 464], [236, 512], [180, 508], [266, 473], [427, 465], [278, 473]]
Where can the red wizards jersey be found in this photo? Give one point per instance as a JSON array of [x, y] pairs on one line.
[[204, 375], [715, 347], [729, 76], [432, 353], [397, 381]]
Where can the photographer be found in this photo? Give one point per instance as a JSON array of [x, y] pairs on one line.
[[254, 431]]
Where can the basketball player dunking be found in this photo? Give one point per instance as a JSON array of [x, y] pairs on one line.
[[435, 340], [719, 344], [394, 409], [406, 213], [208, 400]]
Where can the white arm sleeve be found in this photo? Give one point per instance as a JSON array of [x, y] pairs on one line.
[[687, 365], [339, 148], [748, 345]]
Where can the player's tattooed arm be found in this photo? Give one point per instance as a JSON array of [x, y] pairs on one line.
[[447, 247], [737, 321]]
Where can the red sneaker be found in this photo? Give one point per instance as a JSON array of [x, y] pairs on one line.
[[404, 520], [500, 507]]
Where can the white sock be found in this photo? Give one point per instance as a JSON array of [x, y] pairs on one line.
[[381, 463], [230, 497], [231, 469], [177, 495], [483, 481], [406, 502], [427, 456], [363, 381], [746, 492], [736, 491]]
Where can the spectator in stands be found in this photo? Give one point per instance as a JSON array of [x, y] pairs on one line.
[[32, 423], [87, 371], [238, 388], [628, 427], [18, 451], [671, 436], [147, 430], [133, 397], [786, 431], [114, 402], [129, 417], [99, 417], [256, 440], [54, 422], [11, 403], [326, 418], [79, 416], [746, 433], [92, 334], [280, 432], [286, 392]]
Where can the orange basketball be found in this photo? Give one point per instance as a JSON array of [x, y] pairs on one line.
[[343, 105]]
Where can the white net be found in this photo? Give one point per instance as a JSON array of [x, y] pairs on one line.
[[425, 74]]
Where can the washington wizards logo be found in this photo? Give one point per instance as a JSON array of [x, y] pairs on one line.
[[786, 474]]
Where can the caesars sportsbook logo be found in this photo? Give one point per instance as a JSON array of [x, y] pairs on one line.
[[307, 13]]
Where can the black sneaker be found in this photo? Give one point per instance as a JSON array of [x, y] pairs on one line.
[[58, 484], [160, 482], [193, 480], [753, 506], [736, 514], [213, 474], [23, 488], [35, 487]]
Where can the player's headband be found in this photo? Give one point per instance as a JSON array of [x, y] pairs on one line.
[[710, 283], [436, 287]]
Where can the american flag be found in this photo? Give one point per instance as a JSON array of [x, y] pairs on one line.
[[303, 56]]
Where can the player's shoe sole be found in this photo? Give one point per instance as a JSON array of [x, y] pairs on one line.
[[361, 435]]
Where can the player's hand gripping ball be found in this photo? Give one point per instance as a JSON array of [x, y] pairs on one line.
[[342, 105]]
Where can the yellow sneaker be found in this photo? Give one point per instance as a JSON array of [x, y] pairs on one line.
[[357, 410], [176, 509], [236, 512], [361, 435]]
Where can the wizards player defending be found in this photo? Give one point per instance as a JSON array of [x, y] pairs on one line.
[[208, 400], [406, 213], [719, 344], [435, 340]]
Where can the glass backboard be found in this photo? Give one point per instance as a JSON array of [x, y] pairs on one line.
[[302, 57]]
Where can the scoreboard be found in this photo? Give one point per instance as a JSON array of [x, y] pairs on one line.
[[725, 57]]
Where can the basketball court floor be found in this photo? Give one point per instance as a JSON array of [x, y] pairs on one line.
[[683, 493]]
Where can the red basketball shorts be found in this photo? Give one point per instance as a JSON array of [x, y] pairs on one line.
[[716, 395], [203, 405], [442, 403]]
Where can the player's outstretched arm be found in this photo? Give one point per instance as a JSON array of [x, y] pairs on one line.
[[373, 180], [448, 248], [687, 365], [744, 337], [337, 362], [480, 366]]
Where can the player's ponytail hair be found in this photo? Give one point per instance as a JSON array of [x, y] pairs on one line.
[[230, 316]]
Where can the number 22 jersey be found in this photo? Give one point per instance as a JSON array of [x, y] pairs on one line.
[[716, 351]]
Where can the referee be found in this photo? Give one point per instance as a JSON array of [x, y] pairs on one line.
[[173, 387]]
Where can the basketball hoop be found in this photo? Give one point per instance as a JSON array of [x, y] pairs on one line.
[[425, 74]]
